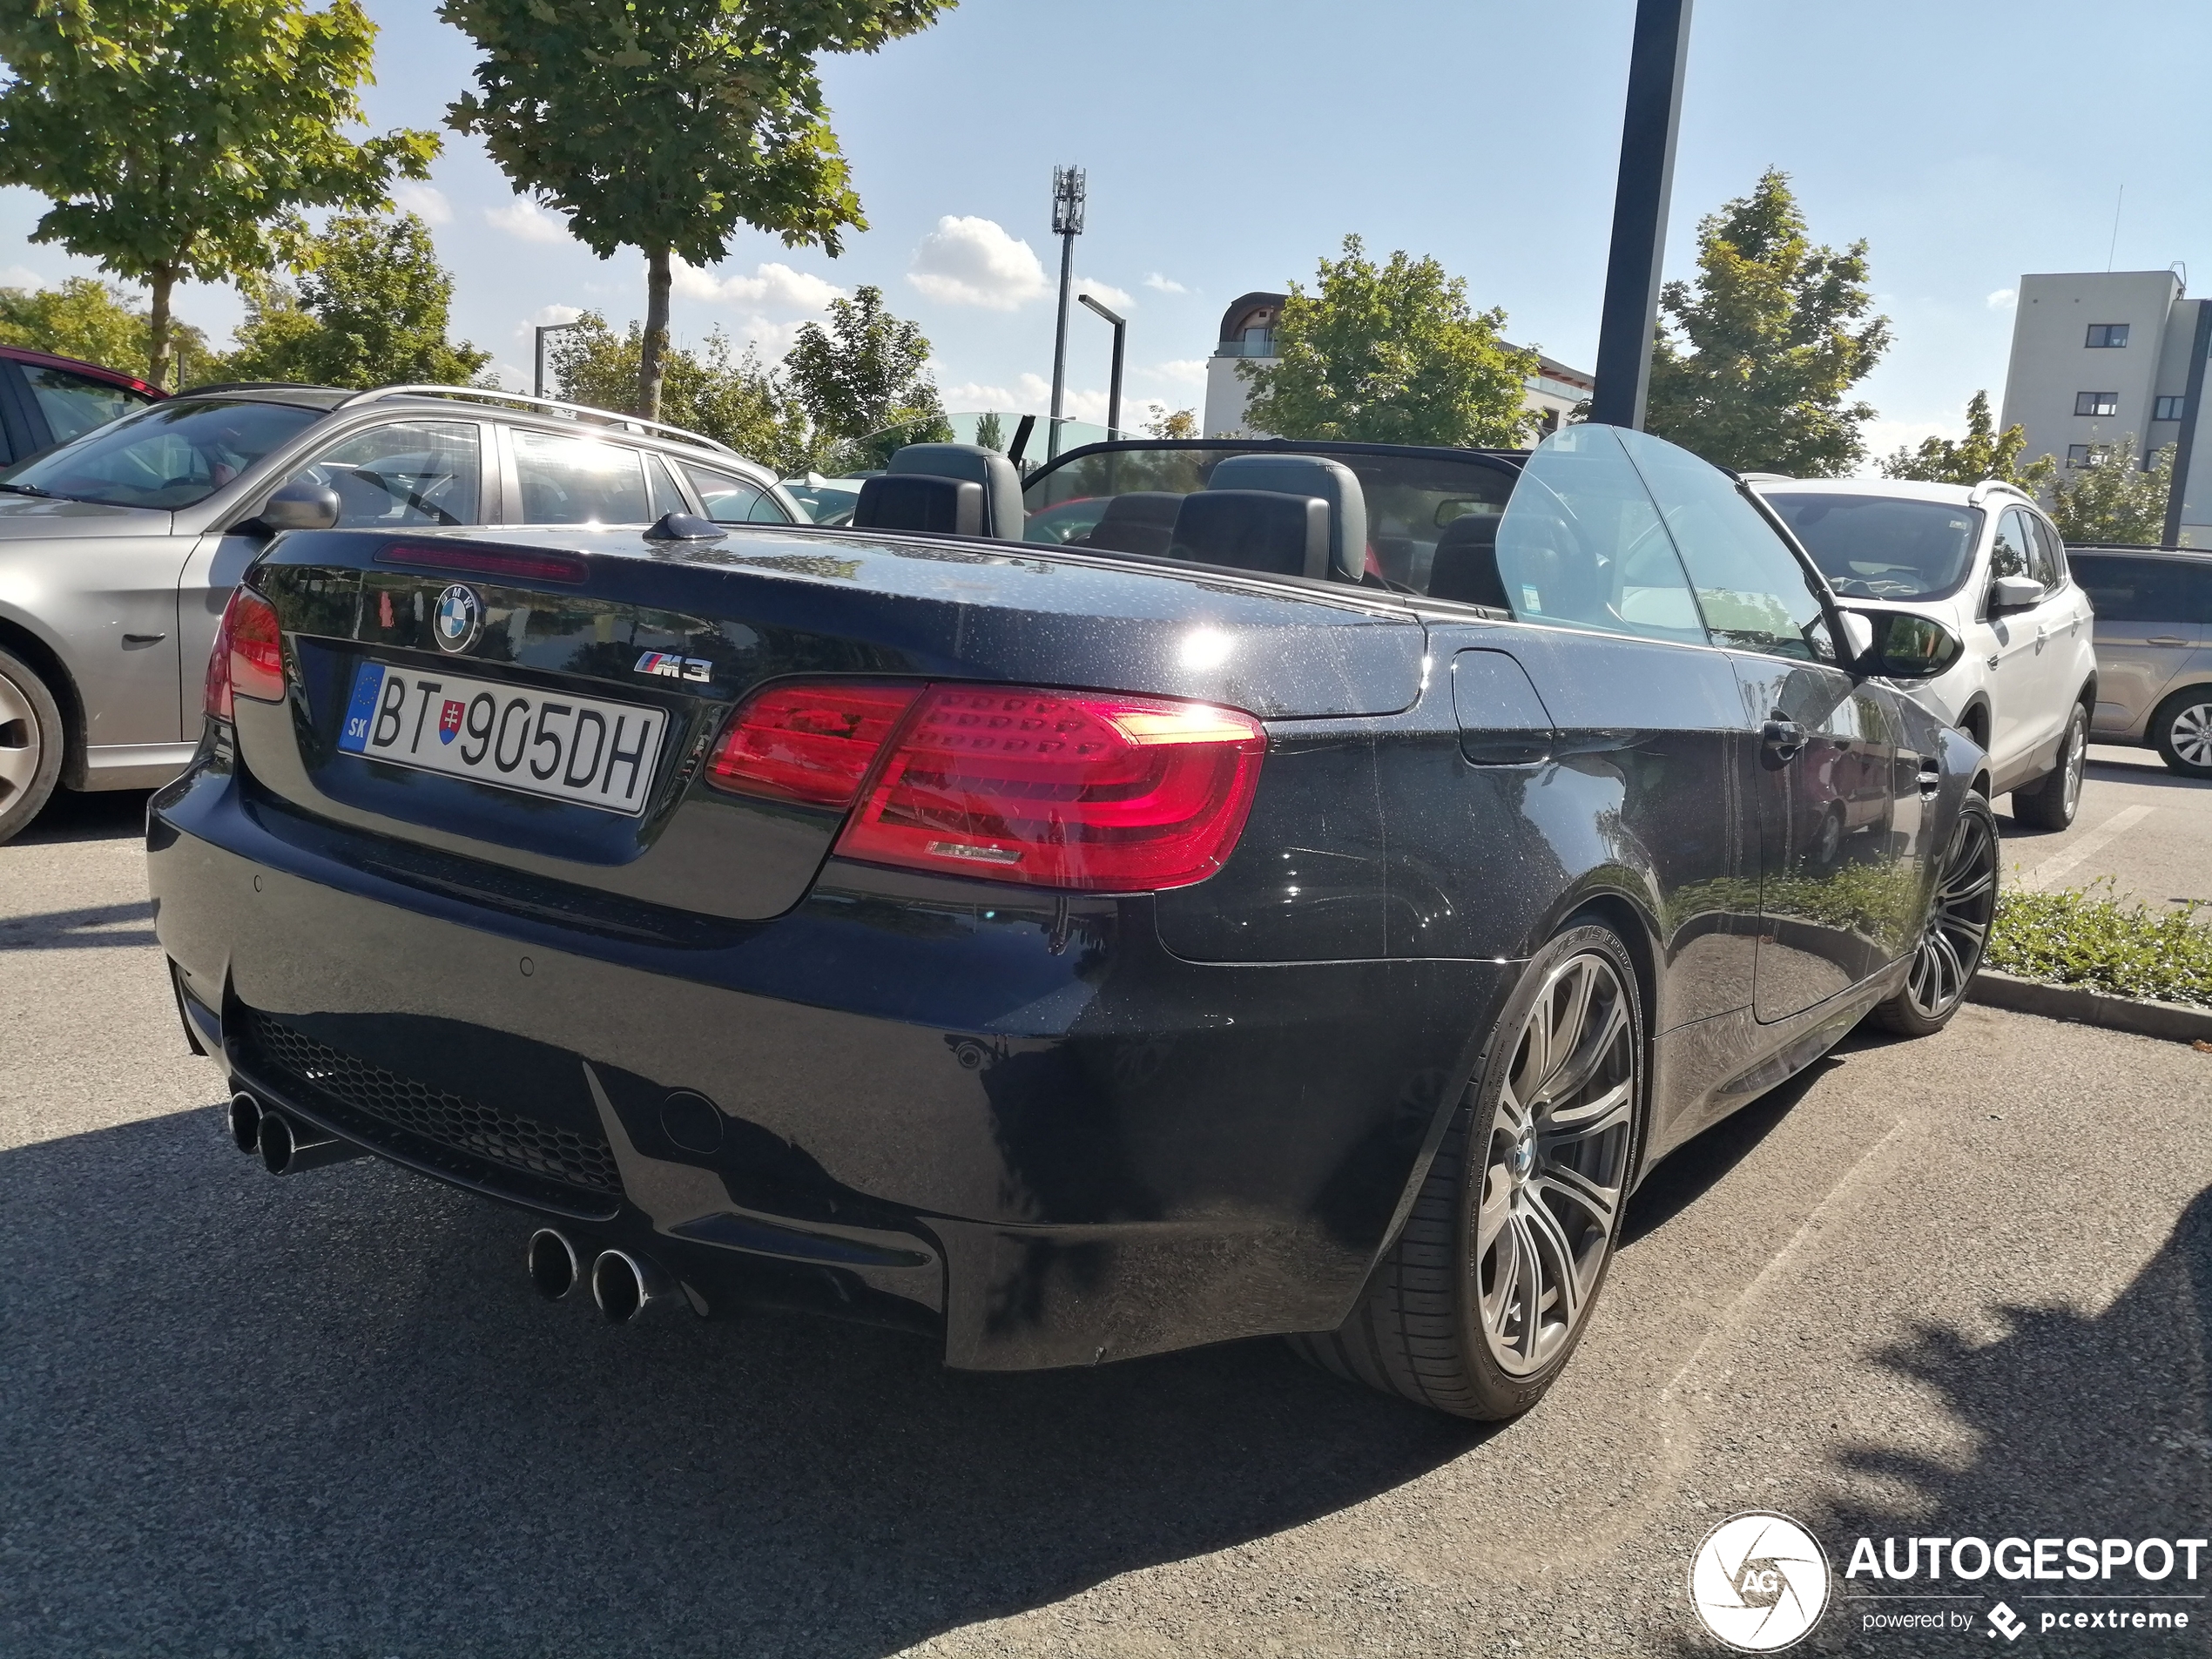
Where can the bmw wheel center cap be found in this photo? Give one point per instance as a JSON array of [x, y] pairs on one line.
[[459, 618]]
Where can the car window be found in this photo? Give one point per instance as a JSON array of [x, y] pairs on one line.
[[579, 480], [2125, 589], [2046, 563], [2008, 554], [734, 501], [1580, 543], [1881, 547], [666, 498], [412, 472], [170, 456], [74, 404], [1751, 591]]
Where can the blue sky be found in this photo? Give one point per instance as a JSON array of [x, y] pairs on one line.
[[1231, 144]]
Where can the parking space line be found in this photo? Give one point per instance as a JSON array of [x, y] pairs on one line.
[[2096, 840]]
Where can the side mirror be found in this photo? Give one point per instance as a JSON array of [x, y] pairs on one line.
[[295, 507], [2015, 593], [1901, 644]]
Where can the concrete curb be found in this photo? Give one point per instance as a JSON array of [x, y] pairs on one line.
[[2170, 1020]]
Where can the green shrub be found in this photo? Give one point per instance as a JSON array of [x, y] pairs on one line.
[[2090, 939]]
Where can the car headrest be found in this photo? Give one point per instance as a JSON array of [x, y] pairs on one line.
[[1465, 567], [932, 505], [1255, 529], [1313, 476], [1003, 516], [1140, 522]]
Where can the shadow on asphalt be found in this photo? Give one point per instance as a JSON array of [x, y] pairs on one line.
[[109, 815], [73, 929], [325, 1414], [1693, 1170]]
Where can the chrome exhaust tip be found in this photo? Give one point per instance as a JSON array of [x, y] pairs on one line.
[[245, 1121], [625, 1285], [289, 1146], [553, 1264]]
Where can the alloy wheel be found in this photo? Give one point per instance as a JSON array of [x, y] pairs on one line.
[[2190, 732], [2077, 754], [1556, 1163], [20, 749], [1957, 925]]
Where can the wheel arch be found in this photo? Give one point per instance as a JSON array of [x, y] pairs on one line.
[[19, 641], [1640, 933], [1974, 721]]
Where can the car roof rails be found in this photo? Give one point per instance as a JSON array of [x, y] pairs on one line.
[[1987, 487], [486, 395]]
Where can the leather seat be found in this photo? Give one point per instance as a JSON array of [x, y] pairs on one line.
[[922, 504], [1140, 522], [1465, 567], [1312, 477], [1261, 530], [1004, 516]]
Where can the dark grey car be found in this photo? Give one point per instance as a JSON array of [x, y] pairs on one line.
[[119, 549]]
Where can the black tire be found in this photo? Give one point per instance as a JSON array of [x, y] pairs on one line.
[[31, 746], [2182, 730], [1425, 1327], [1955, 933], [2053, 801]]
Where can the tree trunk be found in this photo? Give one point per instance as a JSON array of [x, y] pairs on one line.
[[651, 367], [159, 353]]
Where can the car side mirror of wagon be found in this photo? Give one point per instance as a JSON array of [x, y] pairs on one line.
[[1901, 644], [2015, 593], [294, 506]]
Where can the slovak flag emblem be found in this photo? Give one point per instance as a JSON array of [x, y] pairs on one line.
[[449, 721]]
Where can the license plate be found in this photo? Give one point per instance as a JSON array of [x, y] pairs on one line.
[[550, 744]]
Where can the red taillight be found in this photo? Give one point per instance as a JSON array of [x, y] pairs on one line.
[[248, 657], [809, 741], [1060, 790]]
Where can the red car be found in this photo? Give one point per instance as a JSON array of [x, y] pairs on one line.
[[45, 400]]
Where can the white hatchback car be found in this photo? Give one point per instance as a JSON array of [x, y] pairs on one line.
[[1985, 561]]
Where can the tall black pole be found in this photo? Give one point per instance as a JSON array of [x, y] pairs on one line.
[[2192, 405], [1647, 129], [1067, 225]]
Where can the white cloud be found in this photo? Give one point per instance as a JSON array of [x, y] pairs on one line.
[[771, 288], [1032, 394], [2003, 299], [1183, 371], [546, 314], [1106, 294], [428, 204], [525, 218], [21, 276], [512, 379], [1883, 438], [970, 261], [1164, 285]]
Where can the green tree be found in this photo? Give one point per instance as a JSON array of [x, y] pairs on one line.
[[865, 375], [2112, 500], [715, 391], [990, 431], [1172, 423], [1983, 454], [370, 310], [1754, 361], [177, 138], [664, 124], [1390, 354], [87, 319]]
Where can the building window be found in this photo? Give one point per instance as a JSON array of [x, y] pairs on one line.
[[2107, 335], [2081, 455], [2168, 408], [2096, 402]]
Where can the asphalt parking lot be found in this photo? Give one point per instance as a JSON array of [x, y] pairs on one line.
[[1958, 1286]]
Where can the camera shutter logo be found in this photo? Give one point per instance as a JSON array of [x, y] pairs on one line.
[[1759, 1583], [458, 619]]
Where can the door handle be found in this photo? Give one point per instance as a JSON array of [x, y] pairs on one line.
[[1785, 738], [2162, 639], [1930, 780], [144, 639], [1993, 659]]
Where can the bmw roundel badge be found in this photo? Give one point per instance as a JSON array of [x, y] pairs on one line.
[[458, 619]]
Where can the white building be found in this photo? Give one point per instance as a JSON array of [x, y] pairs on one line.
[[1248, 334], [2099, 355]]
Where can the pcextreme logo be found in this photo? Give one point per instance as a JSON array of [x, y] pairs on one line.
[[1759, 1582]]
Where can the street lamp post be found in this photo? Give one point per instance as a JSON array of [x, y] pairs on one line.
[[1114, 384], [1067, 225], [1648, 124], [543, 329]]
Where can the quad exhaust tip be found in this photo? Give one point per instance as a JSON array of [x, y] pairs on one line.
[[553, 1262], [626, 1285], [245, 1121], [287, 1145]]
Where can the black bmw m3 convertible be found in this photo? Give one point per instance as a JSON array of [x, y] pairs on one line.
[[1211, 890]]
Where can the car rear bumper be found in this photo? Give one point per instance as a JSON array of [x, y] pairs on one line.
[[1013, 1122]]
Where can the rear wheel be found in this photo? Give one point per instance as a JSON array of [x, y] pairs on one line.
[[31, 744], [2182, 731], [1956, 932], [2052, 802], [1477, 1308]]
